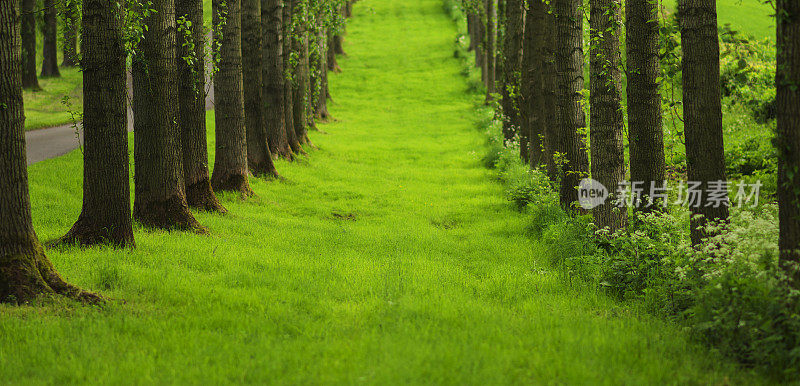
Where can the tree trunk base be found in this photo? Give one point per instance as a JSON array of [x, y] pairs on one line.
[[170, 214], [232, 183], [263, 169], [282, 152], [87, 233], [201, 196], [26, 277]]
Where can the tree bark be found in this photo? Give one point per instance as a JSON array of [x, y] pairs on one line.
[[71, 20], [29, 77], [338, 45], [49, 48], [606, 131], [512, 65], [192, 110], [288, 91], [25, 271], [273, 76], [531, 102], [333, 64], [259, 157], [702, 108], [572, 120], [320, 77], [230, 162], [550, 107], [788, 104], [491, 42], [106, 214], [160, 198], [645, 132], [300, 75]]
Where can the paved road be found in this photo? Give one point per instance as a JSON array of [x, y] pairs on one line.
[[56, 141]]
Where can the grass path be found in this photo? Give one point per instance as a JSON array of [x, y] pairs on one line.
[[389, 256]]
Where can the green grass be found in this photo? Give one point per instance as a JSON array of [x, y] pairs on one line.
[[752, 17], [388, 256]]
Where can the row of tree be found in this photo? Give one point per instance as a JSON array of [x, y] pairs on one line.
[[539, 67], [49, 10], [268, 60]]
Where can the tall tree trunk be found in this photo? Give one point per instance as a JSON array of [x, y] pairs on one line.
[[28, 13], [348, 8], [572, 120], [531, 101], [49, 48], [550, 107], [333, 64], [25, 271], [480, 54], [320, 71], [259, 157], [512, 65], [230, 161], [702, 109], [71, 19], [160, 198], [606, 131], [273, 76], [288, 91], [300, 76], [192, 110], [788, 103], [645, 132], [106, 213], [338, 37], [471, 29], [491, 42]]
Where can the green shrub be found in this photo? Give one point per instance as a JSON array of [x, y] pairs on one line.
[[747, 73]]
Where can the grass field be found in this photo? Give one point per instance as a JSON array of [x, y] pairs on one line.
[[388, 256]]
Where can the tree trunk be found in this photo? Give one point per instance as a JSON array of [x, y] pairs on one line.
[[512, 65], [28, 13], [606, 131], [106, 213], [259, 157], [230, 162], [338, 45], [788, 104], [531, 113], [25, 271], [320, 71], [470, 29], [192, 110], [572, 120], [645, 132], [49, 47], [333, 64], [288, 93], [160, 199], [551, 110], [702, 109], [300, 74], [348, 8], [491, 42], [71, 20], [480, 54], [273, 76]]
